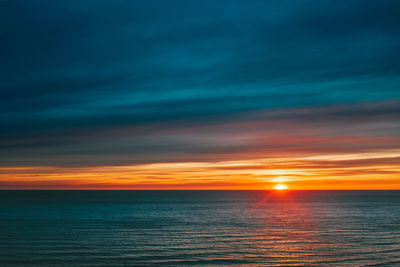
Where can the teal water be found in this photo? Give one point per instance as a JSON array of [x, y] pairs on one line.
[[168, 228]]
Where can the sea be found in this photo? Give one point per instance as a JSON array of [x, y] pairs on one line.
[[199, 228]]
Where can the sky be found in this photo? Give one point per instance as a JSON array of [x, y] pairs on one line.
[[199, 94]]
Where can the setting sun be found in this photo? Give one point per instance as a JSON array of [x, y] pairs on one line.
[[280, 187]]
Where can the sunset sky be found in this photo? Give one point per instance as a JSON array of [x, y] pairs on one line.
[[200, 94]]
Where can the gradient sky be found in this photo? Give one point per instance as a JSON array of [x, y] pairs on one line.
[[200, 94]]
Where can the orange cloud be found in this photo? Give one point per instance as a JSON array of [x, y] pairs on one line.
[[368, 170]]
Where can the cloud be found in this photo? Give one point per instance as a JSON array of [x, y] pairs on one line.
[[110, 83], [257, 134]]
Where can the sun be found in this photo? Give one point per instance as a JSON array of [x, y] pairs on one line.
[[280, 187]]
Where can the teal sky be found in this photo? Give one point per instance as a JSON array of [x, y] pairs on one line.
[[122, 82]]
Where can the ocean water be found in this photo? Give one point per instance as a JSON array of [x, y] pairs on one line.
[[169, 228]]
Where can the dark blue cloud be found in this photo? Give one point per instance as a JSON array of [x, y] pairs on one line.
[[71, 70]]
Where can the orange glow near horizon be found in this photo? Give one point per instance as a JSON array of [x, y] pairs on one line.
[[369, 171], [280, 187]]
